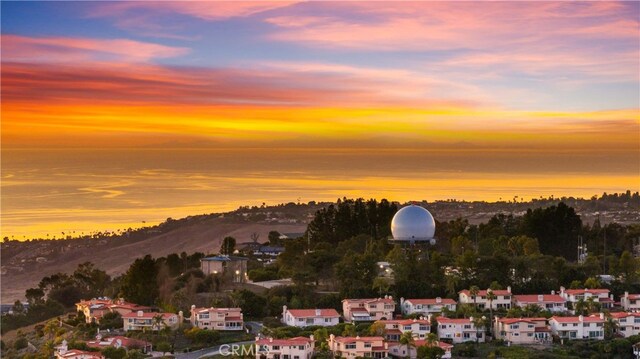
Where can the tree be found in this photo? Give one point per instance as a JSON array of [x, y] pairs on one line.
[[490, 297], [407, 340], [349, 330], [610, 328], [157, 322], [377, 329], [628, 267], [274, 238], [139, 284], [228, 246], [114, 353], [163, 347], [473, 291]]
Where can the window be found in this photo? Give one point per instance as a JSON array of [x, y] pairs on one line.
[[407, 327], [516, 334], [300, 347], [286, 356], [309, 320], [301, 319], [514, 326], [424, 327], [467, 326], [276, 347], [367, 345], [466, 335], [327, 320], [350, 346]]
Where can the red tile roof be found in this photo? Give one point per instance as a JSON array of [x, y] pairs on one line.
[[482, 293], [534, 298], [634, 296], [430, 301], [111, 341], [445, 320], [290, 341], [369, 300], [625, 315], [406, 321], [443, 345], [585, 290], [148, 315], [575, 319], [518, 320], [358, 339], [76, 353], [311, 313]]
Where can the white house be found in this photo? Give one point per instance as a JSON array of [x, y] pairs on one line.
[[551, 302], [630, 302], [308, 317], [522, 330], [150, 321], [354, 347], [459, 330], [578, 327], [419, 328], [401, 350], [427, 306], [217, 318], [292, 348], [502, 298], [362, 310], [628, 323], [601, 296]]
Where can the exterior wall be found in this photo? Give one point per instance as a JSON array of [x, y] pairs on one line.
[[630, 302], [522, 332], [375, 309], [353, 347], [503, 299], [236, 269], [408, 307], [401, 351], [147, 323], [419, 328], [628, 323], [217, 318], [460, 332], [552, 307], [291, 319], [578, 329]]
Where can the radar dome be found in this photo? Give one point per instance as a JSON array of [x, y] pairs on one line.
[[413, 223]]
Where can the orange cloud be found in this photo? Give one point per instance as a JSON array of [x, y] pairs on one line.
[[76, 49]]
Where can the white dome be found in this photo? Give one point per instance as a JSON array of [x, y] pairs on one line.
[[413, 223]]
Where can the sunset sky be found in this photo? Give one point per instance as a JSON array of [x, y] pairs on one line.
[[534, 78]]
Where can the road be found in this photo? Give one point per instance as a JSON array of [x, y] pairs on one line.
[[256, 327]]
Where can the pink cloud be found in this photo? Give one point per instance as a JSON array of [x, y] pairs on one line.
[[76, 49]]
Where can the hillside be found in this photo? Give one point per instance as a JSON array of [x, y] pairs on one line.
[[23, 269]]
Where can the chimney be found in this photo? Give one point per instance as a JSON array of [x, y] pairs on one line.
[[540, 297], [180, 317], [357, 337], [318, 312], [471, 319], [562, 290], [438, 300], [332, 337], [401, 301], [553, 292], [386, 345], [257, 338], [140, 313], [581, 318], [509, 289], [626, 294], [193, 306], [390, 297], [270, 340], [611, 296], [312, 338], [601, 315]]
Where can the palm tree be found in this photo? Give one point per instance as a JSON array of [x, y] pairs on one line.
[[407, 340], [158, 321], [490, 297], [610, 328], [473, 291], [478, 323], [432, 339]]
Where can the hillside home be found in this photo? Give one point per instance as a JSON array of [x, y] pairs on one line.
[[400, 350], [578, 327], [551, 302], [308, 317], [522, 330], [94, 309], [364, 310], [628, 323], [293, 348], [601, 296], [502, 298], [358, 347], [630, 302], [426, 307], [150, 321], [63, 352], [120, 342], [217, 318], [420, 328], [459, 330]]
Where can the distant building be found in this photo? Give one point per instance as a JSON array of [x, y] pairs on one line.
[[628, 323], [147, 321], [419, 328], [426, 307], [522, 330], [403, 351], [551, 302], [95, 308], [217, 318], [229, 265], [293, 348], [630, 302], [363, 310], [309, 317], [503, 298], [459, 330], [578, 327], [358, 347]]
